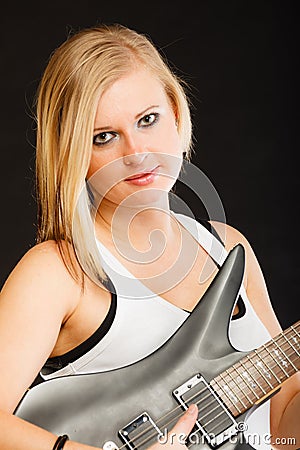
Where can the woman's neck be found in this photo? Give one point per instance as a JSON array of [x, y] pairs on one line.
[[133, 229]]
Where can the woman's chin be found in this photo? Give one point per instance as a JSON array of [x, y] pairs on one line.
[[146, 198]]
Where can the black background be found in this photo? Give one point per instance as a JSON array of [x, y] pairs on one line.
[[240, 59]]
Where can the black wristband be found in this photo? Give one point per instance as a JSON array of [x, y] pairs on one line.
[[60, 442]]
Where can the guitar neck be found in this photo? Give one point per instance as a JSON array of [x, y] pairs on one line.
[[261, 373]]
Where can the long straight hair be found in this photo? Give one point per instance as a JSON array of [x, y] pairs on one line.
[[77, 74]]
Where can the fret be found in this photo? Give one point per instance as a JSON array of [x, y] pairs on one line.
[[293, 347], [259, 373], [255, 382], [252, 364], [234, 381], [225, 389], [287, 348], [277, 364], [282, 354], [287, 366], [225, 393], [296, 340], [267, 362], [260, 368], [244, 388], [283, 340], [286, 356], [293, 327], [247, 380]]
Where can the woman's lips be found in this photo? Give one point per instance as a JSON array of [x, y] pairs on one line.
[[143, 178]]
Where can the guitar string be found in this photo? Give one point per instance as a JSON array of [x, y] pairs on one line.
[[149, 438], [230, 396], [276, 365], [295, 350], [153, 435], [257, 368], [240, 375], [254, 377], [191, 398], [145, 431], [286, 338], [235, 384], [179, 406]]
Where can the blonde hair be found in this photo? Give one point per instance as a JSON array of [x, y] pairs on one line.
[[77, 74]]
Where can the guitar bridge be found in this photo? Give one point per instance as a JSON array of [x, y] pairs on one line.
[[139, 432], [215, 422]]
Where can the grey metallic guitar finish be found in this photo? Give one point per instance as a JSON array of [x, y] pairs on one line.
[[93, 408]]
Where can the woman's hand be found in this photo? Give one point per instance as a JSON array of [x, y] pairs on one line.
[[177, 436]]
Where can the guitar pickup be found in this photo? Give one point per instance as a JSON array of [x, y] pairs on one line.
[[139, 432], [215, 422]]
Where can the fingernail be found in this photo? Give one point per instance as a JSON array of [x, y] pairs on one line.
[[192, 409]]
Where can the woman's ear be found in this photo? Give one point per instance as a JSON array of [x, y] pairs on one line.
[[176, 115], [176, 118]]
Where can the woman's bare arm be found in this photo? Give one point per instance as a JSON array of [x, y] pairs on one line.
[[36, 299]]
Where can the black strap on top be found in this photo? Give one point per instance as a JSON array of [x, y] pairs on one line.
[[240, 302], [58, 362], [55, 363], [213, 231]]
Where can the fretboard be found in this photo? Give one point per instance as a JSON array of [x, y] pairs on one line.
[[260, 373]]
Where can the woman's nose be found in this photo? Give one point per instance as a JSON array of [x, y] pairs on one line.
[[134, 159], [134, 151]]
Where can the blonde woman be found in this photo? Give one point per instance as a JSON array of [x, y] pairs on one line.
[[101, 289]]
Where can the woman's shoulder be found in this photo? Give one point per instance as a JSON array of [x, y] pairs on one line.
[[225, 233], [45, 272], [230, 235], [42, 251], [43, 260], [42, 273]]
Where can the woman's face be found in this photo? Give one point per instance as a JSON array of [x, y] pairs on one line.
[[136, 152]]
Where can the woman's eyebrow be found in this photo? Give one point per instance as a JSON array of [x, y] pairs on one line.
[[145, 110], [108, 127]]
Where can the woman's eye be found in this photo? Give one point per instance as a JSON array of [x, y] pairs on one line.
[[148, 119], [103, 138]]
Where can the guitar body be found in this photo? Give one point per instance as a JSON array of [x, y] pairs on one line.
[[93, 408]]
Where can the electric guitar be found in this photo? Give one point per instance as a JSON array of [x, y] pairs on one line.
[[132, 406]]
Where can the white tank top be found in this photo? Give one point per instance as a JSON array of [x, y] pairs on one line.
[[144, 321]]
